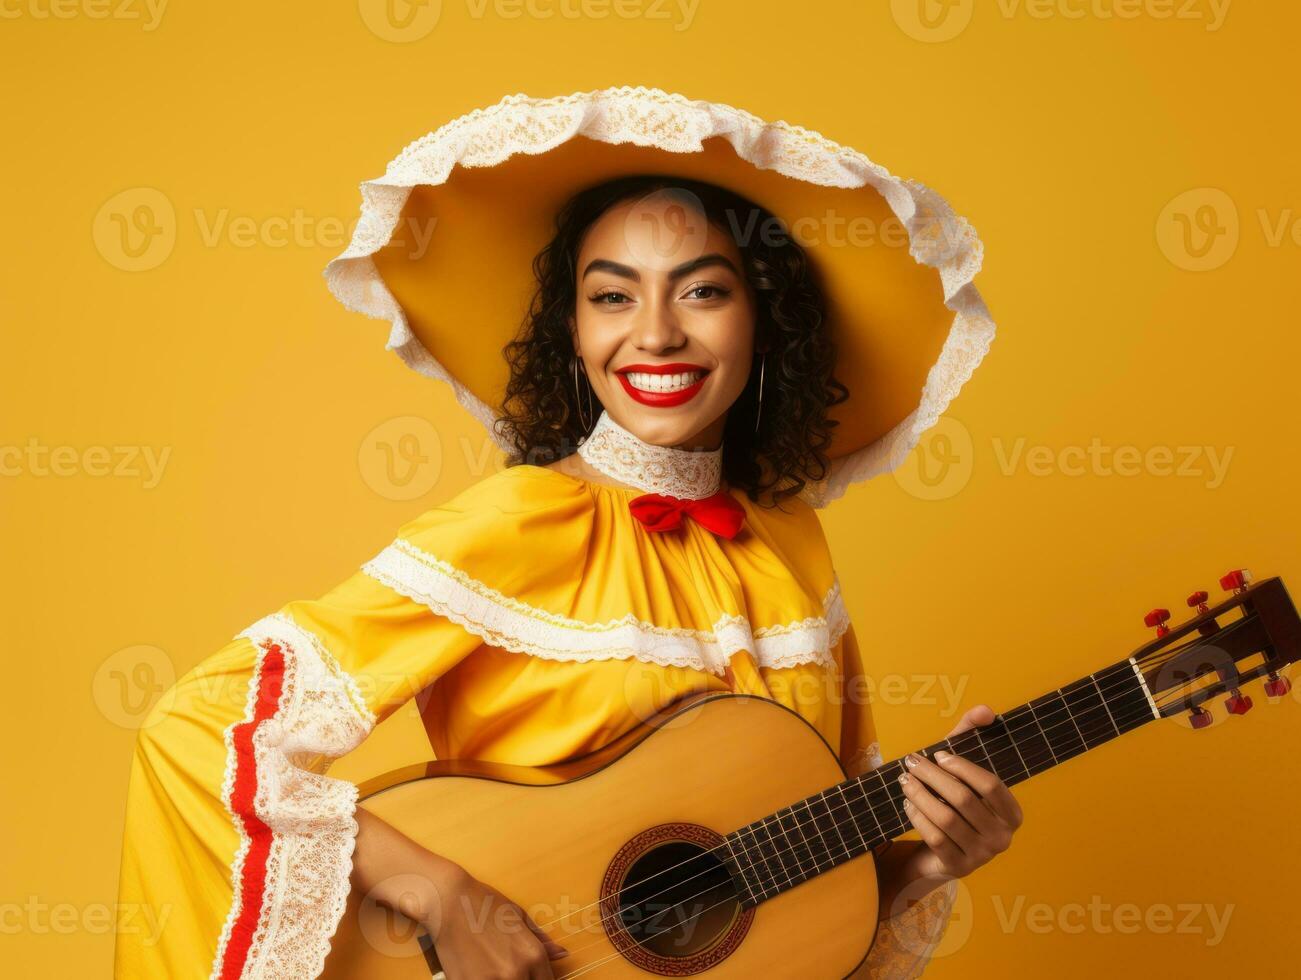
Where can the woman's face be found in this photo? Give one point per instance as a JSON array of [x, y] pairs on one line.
[[664, 321]]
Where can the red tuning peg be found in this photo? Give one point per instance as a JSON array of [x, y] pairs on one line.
[[1236, 580], [1199, 718], [1237, 703], [1198, 601], [1277, 686], [1157, 618]]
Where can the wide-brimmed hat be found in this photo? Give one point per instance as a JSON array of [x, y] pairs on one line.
[[444, 247]]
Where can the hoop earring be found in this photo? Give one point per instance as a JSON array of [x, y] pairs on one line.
[[758, 414], [578, 399]]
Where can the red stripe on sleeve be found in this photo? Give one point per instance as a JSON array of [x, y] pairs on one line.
[[252, 885]]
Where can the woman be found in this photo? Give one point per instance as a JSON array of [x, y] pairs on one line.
[[690, 363]]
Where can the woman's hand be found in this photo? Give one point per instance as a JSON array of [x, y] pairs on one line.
[[477, 931], [965, 814]]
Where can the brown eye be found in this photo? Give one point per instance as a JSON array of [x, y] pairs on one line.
[[599, 298], [716, 291]]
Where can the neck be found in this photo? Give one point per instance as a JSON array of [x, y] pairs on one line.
[[619, 454], [816, 834]]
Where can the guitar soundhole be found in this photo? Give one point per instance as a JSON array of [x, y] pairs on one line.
[[669, 904]]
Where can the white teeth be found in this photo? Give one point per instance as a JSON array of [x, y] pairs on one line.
[[663, 382]]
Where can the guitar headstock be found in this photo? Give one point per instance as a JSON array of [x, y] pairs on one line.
[[1255, 632]]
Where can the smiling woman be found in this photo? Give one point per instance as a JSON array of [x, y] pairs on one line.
[[668, 410], [675, 318]]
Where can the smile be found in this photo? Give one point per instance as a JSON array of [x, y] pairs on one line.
[[662, 385]]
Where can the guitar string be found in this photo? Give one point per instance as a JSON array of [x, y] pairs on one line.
[[1145, 710], [1119, 673], [1135, 712], [969, 735], [749, 849]]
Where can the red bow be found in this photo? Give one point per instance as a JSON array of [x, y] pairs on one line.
[[719, 513]]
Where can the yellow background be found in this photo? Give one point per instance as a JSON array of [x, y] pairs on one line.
[[1065, 139]]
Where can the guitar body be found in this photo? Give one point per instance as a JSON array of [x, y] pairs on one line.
[[566, 841]]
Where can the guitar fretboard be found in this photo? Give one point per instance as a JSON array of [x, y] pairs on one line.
[[818, 833]]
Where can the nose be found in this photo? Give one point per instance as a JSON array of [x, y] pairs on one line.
[[657, 330]]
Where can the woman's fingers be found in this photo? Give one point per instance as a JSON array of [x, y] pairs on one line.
[[940, 814], [964, 800], [940, 843], [992, 789], [554, 950], [974, 717]]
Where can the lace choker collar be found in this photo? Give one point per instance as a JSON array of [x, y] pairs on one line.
[[682, 473]]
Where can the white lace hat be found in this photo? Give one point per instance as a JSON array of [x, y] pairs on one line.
[[444, 246]]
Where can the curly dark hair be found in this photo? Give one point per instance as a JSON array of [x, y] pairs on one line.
[[540, 419]]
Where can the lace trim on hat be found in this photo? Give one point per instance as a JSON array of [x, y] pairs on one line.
[[651, 117], [297, 826], [681, 473], [505, 622]]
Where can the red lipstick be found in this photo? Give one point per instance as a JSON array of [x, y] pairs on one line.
[[662, 399]]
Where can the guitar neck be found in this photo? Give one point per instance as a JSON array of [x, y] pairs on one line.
[[849, 819]]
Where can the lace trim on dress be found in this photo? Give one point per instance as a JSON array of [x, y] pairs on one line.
[[297, 829], [937, 236], [506, 622], [680, 473], [905, 942]]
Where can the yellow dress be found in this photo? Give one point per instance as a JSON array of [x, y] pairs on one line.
[[536, 619]]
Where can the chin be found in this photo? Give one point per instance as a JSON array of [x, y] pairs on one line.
[[660, 428]]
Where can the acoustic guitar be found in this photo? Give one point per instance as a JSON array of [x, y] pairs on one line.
[[723, 837]]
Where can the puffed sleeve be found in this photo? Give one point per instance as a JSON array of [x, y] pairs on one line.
[[238, 845], [906, 939]]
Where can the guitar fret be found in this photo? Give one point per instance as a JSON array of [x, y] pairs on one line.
[[1030, 746], [1042, 731], [802, 845], [749, 847], [1086, 708], [1093, 677], [980, 744], [833, 819], [1066, 750], [894, 793], [1007, 762], [853, 818], [817, 845], [818, 848], [869, 806], [736, 860], [776, 851]]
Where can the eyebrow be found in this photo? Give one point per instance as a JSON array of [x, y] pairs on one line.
[[686, 268]]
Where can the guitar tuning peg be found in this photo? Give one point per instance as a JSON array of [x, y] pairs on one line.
[[1237, 703], [1198, 601], [1277, 686], [1199, 718], [1157, 618], [1236, 580]]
